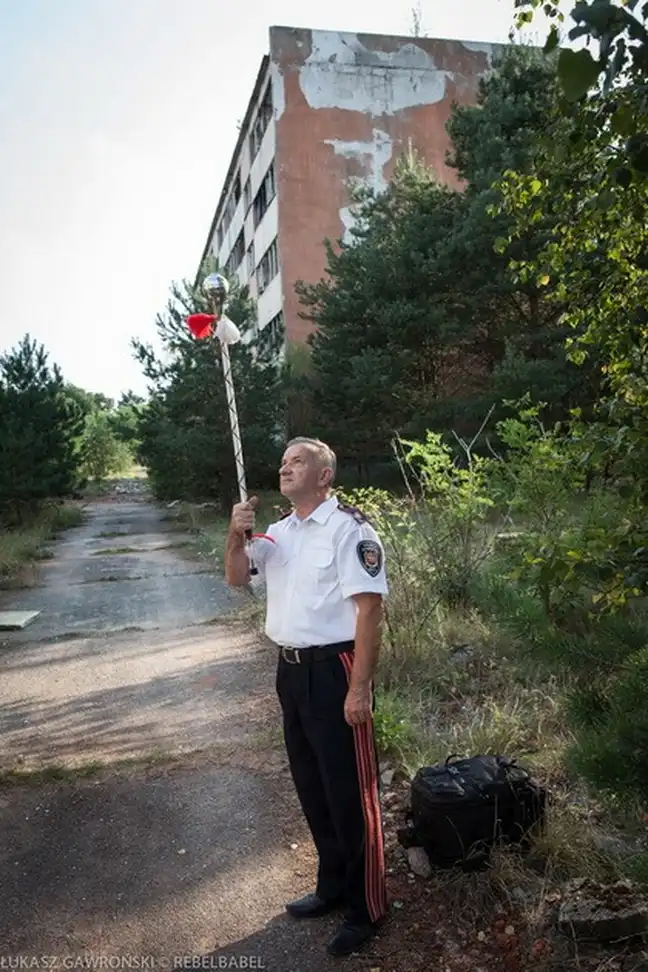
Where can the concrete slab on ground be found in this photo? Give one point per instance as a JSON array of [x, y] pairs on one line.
[[16, 620]]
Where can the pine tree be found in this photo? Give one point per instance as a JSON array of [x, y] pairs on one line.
[[39, 429], [185, 433]]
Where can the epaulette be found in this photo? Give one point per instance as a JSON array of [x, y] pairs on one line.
[[353, 511]]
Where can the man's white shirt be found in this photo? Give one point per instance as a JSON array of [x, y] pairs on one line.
[[312, 569]]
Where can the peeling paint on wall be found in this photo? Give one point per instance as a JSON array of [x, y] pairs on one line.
[[347, 106], [487, 49], [341, 72], [278, 90], [374, 156]]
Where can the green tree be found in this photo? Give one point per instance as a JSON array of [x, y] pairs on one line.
[[619, 31], [125, 419], [597, 263], [39, 429], [88, 401], [185, 433], [102, 452], [377, 353], [590, 170]]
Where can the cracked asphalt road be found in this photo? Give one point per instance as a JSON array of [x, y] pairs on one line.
[[192, 857]]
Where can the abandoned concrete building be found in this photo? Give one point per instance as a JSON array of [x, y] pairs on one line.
[[329, 109]]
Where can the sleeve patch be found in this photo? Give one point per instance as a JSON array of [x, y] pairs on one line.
[[370, 556]]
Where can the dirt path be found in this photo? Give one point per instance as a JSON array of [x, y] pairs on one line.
[[126, 657], [191, 859], [185, 861]]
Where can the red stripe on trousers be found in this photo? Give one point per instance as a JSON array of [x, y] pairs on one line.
[[375, 891]]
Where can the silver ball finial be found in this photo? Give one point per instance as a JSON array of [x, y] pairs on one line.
[[216, 285]]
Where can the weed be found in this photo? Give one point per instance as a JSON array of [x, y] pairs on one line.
[[48, 774], [114, 551], [394, 724]]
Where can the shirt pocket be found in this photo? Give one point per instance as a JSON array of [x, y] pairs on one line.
[[317, 576], [319, 566], [277, 559]]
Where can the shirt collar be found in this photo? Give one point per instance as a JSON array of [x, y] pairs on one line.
[[320, 514]]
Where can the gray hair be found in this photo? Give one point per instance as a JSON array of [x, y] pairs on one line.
[[324, 453]]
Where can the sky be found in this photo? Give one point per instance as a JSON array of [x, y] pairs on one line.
[[118, 119]]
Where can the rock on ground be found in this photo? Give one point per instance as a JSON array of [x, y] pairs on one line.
[[604, 913]]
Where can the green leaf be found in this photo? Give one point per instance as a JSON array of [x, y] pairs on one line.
[[637, 149], [619, 58], [622, 176], [601, 16], [552, 41], [579, 31], [623, 121], [578, 72]]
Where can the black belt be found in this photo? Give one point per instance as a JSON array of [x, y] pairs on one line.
[[298, 656]]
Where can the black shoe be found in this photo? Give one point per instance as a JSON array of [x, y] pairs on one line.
[[350, 938], [311, 906]]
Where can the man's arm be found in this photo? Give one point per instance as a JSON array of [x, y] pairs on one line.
[[237, 565], [368, 633], [361, 565]]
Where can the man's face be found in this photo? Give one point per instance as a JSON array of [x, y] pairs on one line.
[[300, 473]]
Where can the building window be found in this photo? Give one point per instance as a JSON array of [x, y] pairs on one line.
[[261, 122], [265, 195], [268, 267], [275, 328], [219, 236], [236, 255], [247, 196], [238, 251], [250, 259], [232, 202]]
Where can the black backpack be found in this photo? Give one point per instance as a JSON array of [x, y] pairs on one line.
[[461, 809]]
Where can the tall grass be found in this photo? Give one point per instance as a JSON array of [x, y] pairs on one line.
[[28, 544], [482, 675]]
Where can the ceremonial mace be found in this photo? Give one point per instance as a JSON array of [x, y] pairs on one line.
[[216, 289]]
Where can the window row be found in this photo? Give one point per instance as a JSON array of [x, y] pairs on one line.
[[259, 127], [275, 328], [267, 269], [261, 122], [265, 195]]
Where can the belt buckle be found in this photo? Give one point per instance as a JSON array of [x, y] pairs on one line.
[[295, 660]]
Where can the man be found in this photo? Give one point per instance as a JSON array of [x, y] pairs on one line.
[[324, 571]]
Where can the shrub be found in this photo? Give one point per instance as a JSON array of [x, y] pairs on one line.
[[612, 748]]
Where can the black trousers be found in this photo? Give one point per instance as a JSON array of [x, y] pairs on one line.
[[335, 771]]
